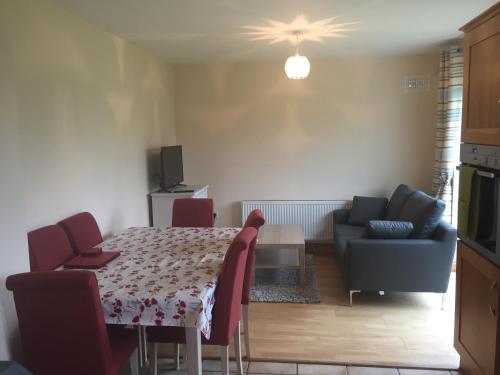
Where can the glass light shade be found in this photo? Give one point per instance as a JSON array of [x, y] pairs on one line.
[[297, 67]]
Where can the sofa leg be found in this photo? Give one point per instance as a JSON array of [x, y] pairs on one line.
[[351, 292], [443, 298]]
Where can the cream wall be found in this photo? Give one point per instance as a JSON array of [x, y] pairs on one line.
[[13, 253], [82, 115], [348, 129]]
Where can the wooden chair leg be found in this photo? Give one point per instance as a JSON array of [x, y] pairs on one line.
[[153, 363], [134, 363], [246, 327], [237, 349], [224, 359]]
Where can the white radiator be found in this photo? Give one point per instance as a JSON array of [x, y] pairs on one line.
[[315, 216]]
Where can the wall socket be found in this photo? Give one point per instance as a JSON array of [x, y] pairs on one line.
[[416, 83]]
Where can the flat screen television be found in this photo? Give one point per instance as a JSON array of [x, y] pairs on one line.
[[171, 166]]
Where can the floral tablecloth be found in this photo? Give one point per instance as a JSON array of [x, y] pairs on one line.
[[163, 276]]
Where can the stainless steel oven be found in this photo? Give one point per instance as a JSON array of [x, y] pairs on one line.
[[485, 209]]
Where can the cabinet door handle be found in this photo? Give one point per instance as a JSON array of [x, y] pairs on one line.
[[493, 285], [492, 311]]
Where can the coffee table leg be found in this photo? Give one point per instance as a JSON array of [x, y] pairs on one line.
[[302, 261]]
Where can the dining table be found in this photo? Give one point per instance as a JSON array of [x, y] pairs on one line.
[[164, 276]]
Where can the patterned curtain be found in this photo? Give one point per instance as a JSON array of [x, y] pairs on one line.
[[449, 116]]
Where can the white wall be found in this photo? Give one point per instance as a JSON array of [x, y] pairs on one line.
[[349, 128], [83, 114], [13, 253]]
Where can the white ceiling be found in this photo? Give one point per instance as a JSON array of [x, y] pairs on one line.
[[200, 31]]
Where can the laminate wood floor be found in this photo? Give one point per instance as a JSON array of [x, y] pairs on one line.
[[395, 330]]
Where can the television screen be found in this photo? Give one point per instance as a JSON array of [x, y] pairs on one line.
[[171, 166]]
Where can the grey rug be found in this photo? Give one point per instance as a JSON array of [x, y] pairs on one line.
[[282, 285]]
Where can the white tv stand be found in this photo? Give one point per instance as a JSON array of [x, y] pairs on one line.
[[163, 202]]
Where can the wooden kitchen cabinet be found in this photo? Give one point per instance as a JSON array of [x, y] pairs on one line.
[[481, 105], [476, 313]]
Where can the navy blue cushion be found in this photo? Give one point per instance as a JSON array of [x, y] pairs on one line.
[[397, 201], [388, 230], [365, 209], [424, 212]]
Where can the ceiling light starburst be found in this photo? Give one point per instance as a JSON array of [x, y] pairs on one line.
[[300, 29], [315, 31]]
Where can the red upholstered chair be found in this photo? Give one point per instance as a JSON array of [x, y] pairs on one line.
[[62, 327], [255, 219], [226, 313], [49, 247], [82, 230], [193, 212]]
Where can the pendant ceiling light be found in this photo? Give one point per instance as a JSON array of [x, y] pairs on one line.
[[297, 66]]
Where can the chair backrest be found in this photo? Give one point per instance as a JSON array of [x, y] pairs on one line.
[[255, 219], [227, 308], [49, 247], [82, 230], [193, 212], [61, 322]]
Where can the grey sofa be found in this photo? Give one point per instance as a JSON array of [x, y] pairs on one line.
[[398, 265]]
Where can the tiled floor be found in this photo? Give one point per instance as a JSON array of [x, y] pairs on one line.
[[212, 367]]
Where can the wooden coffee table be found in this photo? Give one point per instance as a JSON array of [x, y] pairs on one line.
[[271, 244]]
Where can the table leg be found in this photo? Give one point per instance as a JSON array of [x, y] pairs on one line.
[[134, 363], [193, 346], [144, 346], [141, 349], [302, 261]]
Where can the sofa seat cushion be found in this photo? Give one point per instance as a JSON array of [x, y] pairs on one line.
[[388, 230], [424, 212], [365, 209], [397, 201]]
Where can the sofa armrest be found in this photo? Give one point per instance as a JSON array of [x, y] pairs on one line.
[[399, 265], [341, 216], [445, 233]]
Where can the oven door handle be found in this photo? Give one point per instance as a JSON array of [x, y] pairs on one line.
[[482, 173], [486, 174]]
